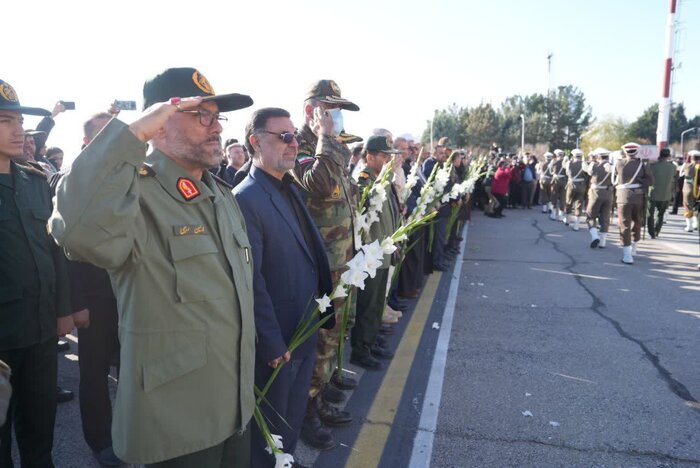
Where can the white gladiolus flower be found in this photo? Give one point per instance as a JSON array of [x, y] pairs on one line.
[[355, 275], [373, 257], [388, 246], [401, 238], [339, 292], [284, 460], [277, 439], [323, 303]]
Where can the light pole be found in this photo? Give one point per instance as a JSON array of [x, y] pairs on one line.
[[683, 135], [522, 136]]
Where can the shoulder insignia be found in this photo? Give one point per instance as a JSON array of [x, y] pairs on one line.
[[363, 175], [336, 192], [32, 168], [187, 188], [146, 171], [305, 159]]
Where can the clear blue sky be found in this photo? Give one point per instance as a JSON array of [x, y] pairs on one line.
[[398, 60]]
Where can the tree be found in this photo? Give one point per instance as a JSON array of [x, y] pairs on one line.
[[644, 128], [609, 132], [448, 122], [482, 126], [569, 116]]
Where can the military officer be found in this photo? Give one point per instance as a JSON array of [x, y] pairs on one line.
[[545, 182], [321, 170], [661, 192], [599, 197], [174, 242], [576, 187], [370, 300], [688, 172], [631, 178], [557, 170], [34, 293]]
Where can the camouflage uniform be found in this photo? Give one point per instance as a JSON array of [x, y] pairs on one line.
[[321, 170]]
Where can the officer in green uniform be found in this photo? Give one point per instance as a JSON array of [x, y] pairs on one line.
[[34, 293], [371, 299], [174, 242], [321, 170], [661, 192]]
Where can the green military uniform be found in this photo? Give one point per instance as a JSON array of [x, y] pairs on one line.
[[557, 170], [371, 299], [689, 170], [575, 189], [545, 182], [660, 194], [179, 259], [599, 199], [330, 198], [34, 292]]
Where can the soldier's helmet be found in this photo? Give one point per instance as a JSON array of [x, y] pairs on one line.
[[631, 149], [577, 153], [548, 156], [601, 152], [559, 152]]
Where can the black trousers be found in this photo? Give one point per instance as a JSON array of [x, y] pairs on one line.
[[440, 234], [288, 397], [370, 307], [98, 345], [412, 269], [32, 408], [502, 202]]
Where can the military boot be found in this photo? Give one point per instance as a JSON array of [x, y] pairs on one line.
[[576, 223], [332, 394], [603, 236], [312, 431], [342, 382], [332, 416], [634, 248], [627, 255]]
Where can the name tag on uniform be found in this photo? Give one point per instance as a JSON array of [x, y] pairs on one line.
[[189, 230]]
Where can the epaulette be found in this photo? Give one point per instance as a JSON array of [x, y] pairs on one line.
[[33, 168], [348, 138], [363, 175], [221, 181], [146, 171]]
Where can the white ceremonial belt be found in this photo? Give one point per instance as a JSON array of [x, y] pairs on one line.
[[601, 187], [579, 179], [629, 186], [559, 176]]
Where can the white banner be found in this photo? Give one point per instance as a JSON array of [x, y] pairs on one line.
[[649, 152]]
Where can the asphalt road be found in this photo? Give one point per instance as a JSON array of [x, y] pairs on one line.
[[603, 356], [560, 355]]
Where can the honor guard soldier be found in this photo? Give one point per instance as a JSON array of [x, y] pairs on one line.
[[688, 171], [576, 187], [660, 194], [631, 178], [599, 198], [545, 182], [174, 242], [557, 169]]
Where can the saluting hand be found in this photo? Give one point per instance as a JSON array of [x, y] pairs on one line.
[[148, 125], [322, 123]]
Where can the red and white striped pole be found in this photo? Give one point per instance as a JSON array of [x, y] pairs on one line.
[[665, 102]]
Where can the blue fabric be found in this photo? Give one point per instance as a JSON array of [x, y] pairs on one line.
[[527, 174]]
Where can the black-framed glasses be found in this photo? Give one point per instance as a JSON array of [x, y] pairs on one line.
[[286, 137], [206, 118]]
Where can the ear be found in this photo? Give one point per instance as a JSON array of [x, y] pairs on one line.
[[308, 111], [254, 142], [86, 140]]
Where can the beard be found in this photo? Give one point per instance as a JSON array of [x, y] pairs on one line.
[[202, 154]]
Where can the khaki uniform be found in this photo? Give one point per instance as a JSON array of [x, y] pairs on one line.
[[178, 255], [575, 187], [545, 182], [558, 184], [688, 171], [321, 171], [632, 178], [599, 196]]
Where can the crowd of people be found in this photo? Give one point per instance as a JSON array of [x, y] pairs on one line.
[[189, 264], [569, 187]]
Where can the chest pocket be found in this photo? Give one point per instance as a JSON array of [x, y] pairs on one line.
[[196, 265], [246, 256]]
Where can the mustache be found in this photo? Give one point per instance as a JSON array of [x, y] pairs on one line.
[[213, 138]]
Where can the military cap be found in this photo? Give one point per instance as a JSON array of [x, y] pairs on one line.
[[379, 144], [33, 133], [189, 82], [328, 91], [559, 152], [631, 149], [695, 154], [10, 102], [577, 153], [601, 152], [548, 155]]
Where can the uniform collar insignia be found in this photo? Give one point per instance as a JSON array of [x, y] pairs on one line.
[[187, 188]]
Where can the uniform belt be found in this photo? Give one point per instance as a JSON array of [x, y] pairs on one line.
[[689, 182], [629, 186], [601, 187], [559, 176], [549, 177], [578, 179]]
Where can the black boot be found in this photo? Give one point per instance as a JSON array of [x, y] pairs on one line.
[[332, 416], [342, 382], [312, 431], [332, 394]]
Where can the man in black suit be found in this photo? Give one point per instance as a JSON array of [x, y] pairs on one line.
[[290, 271]]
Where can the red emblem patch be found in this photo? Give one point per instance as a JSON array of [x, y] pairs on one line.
[[187, 188]]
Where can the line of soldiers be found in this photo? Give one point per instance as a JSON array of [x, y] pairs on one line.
[[638, 190]]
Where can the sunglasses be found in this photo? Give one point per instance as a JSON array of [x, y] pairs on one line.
[[286, 137]]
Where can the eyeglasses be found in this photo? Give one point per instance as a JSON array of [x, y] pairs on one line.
[[206, 118], [286, 137]]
